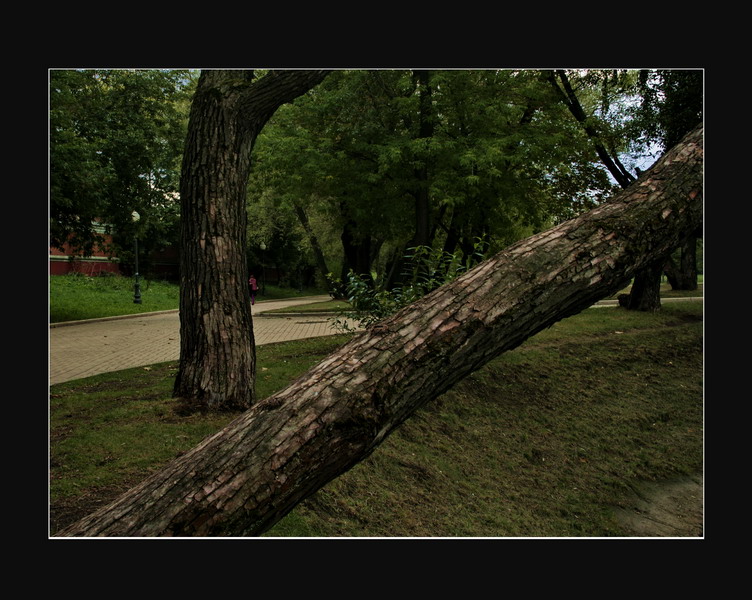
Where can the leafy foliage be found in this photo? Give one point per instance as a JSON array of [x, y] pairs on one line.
[[115, 144], [429, 268], [671, 104], [495, 152]]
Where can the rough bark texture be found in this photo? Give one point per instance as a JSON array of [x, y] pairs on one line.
[[217, 357], [684, 275], [243, 479], [645, 294]]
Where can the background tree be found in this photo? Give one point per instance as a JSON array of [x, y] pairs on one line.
[[79, 173], [609, 143], [606, 142], [278, 240], [387, 159], [217, 353], [322, 154], [116, 138], [671, 104]]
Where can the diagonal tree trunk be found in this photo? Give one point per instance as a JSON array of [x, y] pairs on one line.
[[217, 355], [645, 294], [242, 480]]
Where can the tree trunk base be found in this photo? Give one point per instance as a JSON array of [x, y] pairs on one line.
[[646, 290]]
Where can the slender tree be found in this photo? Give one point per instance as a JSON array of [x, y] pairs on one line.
[[217, 355], [243, 479], [422, 235], [563, 88], [319, 155], [318, 253]]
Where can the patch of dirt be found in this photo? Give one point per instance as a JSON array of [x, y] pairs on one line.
[[672, 508]]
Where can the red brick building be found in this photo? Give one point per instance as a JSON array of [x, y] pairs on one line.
[[161, 264]]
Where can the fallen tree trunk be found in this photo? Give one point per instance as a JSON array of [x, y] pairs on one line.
[[242, 480]]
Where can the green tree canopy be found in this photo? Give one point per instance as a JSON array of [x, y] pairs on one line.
[[494, 152], [116, 138], [671, 104]]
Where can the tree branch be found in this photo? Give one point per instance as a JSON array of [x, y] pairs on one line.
[[570, 100], [273, 90]]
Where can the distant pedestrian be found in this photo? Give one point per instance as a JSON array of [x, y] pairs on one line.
[[253, 287]]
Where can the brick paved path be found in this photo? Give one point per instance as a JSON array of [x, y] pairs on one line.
[[88, 348]]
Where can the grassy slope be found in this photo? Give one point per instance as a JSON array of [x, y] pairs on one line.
[[543, 441]]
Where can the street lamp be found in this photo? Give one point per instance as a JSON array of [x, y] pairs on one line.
[[137, 286]]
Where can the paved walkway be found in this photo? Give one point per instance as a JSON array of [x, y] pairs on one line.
[[87, 348]]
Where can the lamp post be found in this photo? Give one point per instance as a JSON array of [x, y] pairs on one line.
[[263, 268], [136, 286]]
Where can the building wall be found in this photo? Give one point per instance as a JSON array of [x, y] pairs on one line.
[[63, 262], [161, 264], [62, 265]]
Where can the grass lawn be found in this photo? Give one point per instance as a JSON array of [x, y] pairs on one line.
[[78, 297], [548, 440]]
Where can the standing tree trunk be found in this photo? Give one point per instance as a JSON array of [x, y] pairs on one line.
[[420, 190], [217, 355], [421, 236], [242, 480], [357, 251], [645, 294], [684, 275], [318, 253]]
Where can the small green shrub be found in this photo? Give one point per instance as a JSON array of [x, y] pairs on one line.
[[428, 269]]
